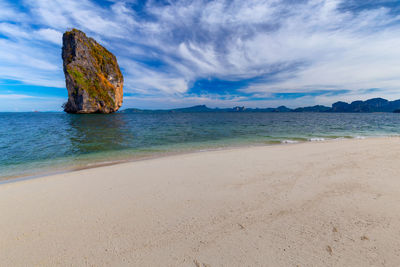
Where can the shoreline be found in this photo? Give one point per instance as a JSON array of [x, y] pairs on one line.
[[308, 204], [68, 169]]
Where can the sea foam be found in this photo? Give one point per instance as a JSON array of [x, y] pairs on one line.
[[316, 139], [289, 142]]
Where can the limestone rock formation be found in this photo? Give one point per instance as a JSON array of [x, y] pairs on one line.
[[93, 78]]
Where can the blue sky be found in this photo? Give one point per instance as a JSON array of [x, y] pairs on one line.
[[220, 53]]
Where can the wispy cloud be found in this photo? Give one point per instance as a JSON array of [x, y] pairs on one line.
[[14, 96], [166, 47]]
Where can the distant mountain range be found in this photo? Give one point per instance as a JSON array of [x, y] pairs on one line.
[[371, 105]]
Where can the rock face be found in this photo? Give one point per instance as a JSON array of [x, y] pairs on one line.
[[93, 78]]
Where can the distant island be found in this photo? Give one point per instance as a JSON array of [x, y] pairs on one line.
[[368, 106]]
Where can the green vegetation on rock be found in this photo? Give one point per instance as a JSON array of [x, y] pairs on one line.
[[93, 69]]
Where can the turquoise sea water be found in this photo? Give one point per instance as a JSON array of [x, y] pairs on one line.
[[41, 143]]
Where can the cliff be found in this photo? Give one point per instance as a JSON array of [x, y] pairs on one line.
[[93, 78]]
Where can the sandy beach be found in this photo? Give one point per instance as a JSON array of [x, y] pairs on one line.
[[333, 203]]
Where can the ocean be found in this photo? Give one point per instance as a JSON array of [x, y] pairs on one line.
[[34, 144]]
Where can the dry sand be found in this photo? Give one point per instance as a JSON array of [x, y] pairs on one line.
[[333, 203]]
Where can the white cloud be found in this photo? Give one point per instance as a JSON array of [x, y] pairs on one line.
[[8, 12], [14, 96], [50, 35], [23, 62], [291, 46], [12, 30], [146, 81]]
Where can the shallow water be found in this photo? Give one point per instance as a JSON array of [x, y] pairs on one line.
[[39, 143]]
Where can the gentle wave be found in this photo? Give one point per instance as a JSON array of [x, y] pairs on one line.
[[289, 142], [359, 137], [316, 139]]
